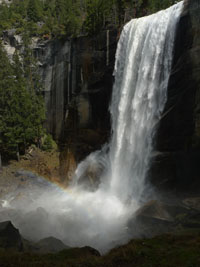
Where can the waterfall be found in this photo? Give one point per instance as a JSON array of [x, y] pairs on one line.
[[142, 69], [99, 217]]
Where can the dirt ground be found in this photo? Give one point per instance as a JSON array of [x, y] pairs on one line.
[[41, 163]]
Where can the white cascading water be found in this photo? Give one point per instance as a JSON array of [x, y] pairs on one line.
[[142, 68], [99, 219]]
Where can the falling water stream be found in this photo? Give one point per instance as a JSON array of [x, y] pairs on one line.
[[99, 218], [142, 68]]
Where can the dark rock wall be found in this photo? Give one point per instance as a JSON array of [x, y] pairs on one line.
[[78, 80], [77, 74], [178, 138], [54, 59]]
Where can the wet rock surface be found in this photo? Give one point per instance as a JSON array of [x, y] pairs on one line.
[[86, 123], [158, 217], [178, 136], [90, 179]]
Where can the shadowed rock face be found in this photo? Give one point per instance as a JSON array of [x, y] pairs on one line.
[[157, 217], [178, 137], [77, 78], [10, 237], [77, 74]]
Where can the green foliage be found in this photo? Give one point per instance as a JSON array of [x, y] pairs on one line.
[[48, 143], [34, 11], [57, 17], [156, 5], [66, 17], [21, 108], [71, 17], [96, 11]]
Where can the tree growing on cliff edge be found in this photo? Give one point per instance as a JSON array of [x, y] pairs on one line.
[[96, 13]]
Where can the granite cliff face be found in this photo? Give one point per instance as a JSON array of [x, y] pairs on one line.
[[54, 60], [178, 139], [77, 77]]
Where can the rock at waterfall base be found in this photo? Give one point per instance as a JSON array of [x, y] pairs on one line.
[[10, 237], [155, 218]]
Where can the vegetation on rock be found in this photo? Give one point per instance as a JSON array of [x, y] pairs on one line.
[[21, 105], [56, 18]]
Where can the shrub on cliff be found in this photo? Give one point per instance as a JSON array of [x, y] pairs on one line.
[[48, 143]]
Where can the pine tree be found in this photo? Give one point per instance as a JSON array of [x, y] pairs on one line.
[[34, 87], [33, 11], [6, 87], [97, 10], [21, 108]]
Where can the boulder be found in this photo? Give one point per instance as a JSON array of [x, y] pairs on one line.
[[156, 217], [143, 222], [10, 237], [154, 209], [90, 179]]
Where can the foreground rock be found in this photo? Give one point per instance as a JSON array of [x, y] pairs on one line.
[[144, 220], [90, 179], [10, 237], [155, 218], [166, 250]]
